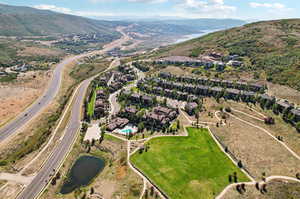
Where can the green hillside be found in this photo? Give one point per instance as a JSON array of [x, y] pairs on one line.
[[271, 47], [26, 21]]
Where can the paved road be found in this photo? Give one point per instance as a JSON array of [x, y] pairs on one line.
[[22, 119], [42, 102], [42, 178], [61, 150]]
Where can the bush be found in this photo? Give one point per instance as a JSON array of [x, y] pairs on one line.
[[298, 126], [228, 109], [269, 120]]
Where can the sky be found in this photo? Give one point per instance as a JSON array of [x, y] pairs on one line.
[[241, 9]]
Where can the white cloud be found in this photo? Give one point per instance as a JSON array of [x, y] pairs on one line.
[[53, 8], [208, 8], [138, 1], [267, 5]]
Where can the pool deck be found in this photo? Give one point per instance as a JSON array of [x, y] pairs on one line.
[[93, 132]]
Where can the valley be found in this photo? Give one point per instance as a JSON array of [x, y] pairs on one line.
[[163, 108]]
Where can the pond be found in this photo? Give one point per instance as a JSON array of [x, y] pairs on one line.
[[82, 172]]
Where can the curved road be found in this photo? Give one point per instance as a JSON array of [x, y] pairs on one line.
[[25, 117], [53, 163]]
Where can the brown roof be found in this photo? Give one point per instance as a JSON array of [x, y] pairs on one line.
[[161, 110]]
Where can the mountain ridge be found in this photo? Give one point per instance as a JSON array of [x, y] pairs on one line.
[[270, 47]]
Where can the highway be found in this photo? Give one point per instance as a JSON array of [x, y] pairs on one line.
[[53, 163], [56, 158], [26, 116]]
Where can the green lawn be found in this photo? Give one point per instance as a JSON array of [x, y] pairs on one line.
[[187, 167], [91, 105]]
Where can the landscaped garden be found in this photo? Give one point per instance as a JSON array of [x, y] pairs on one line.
[[187, 167]]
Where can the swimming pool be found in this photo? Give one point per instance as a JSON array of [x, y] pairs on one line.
[[127, 130]]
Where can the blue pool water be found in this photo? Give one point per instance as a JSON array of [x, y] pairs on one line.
[[127, 131]]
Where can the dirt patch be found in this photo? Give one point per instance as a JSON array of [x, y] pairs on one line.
[[276, 189], [15, 97], [10, 191], [33, 127], [34, 51], [284, 92]]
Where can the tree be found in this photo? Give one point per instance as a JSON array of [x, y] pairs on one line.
[[298, 126], [93, 142], [197, 112], [141, 127], [257, 185], [230, 178], [228, 109], [152, 191], [178, 124], [269, 120], [298, 176], [165, 102], [240, 164], [92, 191], [235, 177]]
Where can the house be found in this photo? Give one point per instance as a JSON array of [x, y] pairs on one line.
[[284, 105], [215, 91], [100, 94], [256, 87], [165, 75], [162, 110], [232, 93], [191, 107], [117, 122], [227, 83], [131, 110], [202, 90], [248, 96], [296, 115], [192, 98], [267, 100], [235, 63]]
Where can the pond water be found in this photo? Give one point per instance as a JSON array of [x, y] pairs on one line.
[[82, 172]]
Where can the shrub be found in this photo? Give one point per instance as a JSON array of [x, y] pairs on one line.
[[269, 120]]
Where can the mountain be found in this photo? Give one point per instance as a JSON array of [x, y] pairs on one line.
[[180, 27], [27, 21], [271, 48]]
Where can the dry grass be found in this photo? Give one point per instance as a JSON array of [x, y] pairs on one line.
[[284, 92], [290, 135], [276, 189], [257, 150], [34, 51], [39, 122], [115, 181], [16, 96], [10, 191]]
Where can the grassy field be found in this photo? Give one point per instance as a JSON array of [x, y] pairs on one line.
[[187, 167]]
